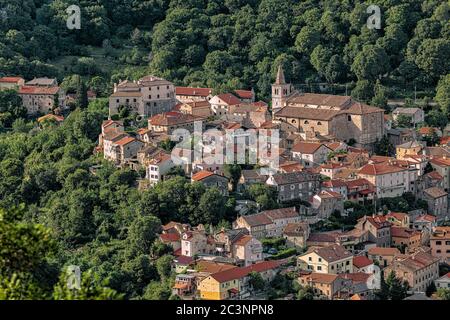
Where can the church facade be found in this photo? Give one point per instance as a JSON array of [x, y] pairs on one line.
[[330, 116]]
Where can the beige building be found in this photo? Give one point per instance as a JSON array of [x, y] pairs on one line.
[[389, 178], [406, 238], [40, 99], [296, 234], [437, 200], [440, 243], [310, 154], [222, 103], [269, 223], [189, 94], [384, 256], [416, 115], [148, 96], [442, 165], [196, 108], [247, 249], [325, 203], [332, 259], [11, 83], [378, 228], [167, 122], [411, 148], [419, 269], [327, 115], [331, 286]]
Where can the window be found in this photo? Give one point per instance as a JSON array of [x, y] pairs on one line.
[[117, 100], [349, 118], [149, 96], [319, 268], [306, 122], [320, 259], [134, 100], [319, 123], [438, 243], [309, 259]]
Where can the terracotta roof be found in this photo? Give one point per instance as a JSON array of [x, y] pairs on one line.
[[440, 161], [326, 194], [126, 94], [361, 261], [378, 222], [244, 94], [160, 158], [379, 251], [332, 253], [401, 232], [307, 113], [357, 297], [189, 91], [355, 277], [434, 175], [295, 229], [282, 213], [321, 100], [183, 260], [229, 99], [416, 261], [202, 175], [238, 273], [397, 215], [427, 130], [212, 267], [109, 122], [426, 217], [170, 237], [38, 90], [336, 183], [242, 241], [357, 183], [379, 169], [329, 236], [291, 167], [11, 79], [257, 219], [307, 147], [125, 141], [435, 192], [113, 135], [142, 131], [325, 278], [172, 118]]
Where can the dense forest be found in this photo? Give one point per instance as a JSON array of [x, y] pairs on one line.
[[233, 43], [62, 205]]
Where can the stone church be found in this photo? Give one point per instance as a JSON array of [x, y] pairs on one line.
[[331, 117]]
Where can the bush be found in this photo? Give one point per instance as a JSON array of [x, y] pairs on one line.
[[283, 254]]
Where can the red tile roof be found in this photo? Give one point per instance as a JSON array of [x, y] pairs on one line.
[[238, 273], [306, 147], [320, 277], [379, 251], [189, 91], [125, 141], [401, 232], [244, 94], [361, 261], [331, 253], [172, 118], [355, 277], [169, 237], [434, 175], [229, 99], [202, 175], [440, 161], [379, 169], [38, 90], [11, 79]]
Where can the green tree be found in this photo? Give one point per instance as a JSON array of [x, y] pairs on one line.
[[443, 94], [443, 294], [232, 172], [256, 281], [91, 288], [403, 121], [397, 288], [305, 293]]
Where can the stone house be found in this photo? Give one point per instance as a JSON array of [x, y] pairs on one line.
[[326, 202], [294, 185], [296, 234], [269, 223], [332, 259], [148, 96], [310, 154], [189, 94], [11, 83], [416, 115], [379, 230], [418, 269], [437, 200], [220, 104], [210, 179]]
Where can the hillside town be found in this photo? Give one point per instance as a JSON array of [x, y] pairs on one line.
[[342, 219]]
